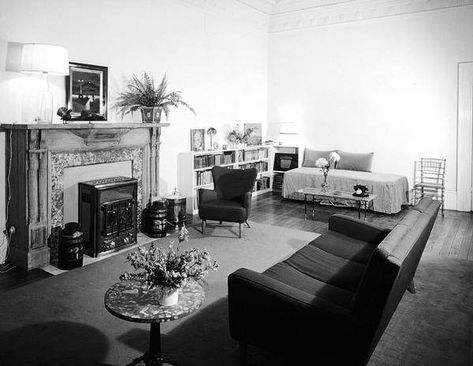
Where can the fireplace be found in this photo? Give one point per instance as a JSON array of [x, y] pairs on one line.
[[107, 214], [37, 156]]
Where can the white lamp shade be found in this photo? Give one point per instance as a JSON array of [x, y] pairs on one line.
[[44, 58], [288, 128]]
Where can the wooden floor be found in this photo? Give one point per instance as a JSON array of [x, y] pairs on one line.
[[452, 235]]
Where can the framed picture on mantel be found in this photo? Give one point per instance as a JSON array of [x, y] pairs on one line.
[[86, 92]]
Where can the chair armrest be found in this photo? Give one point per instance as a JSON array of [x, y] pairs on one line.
[[206, 195], [255, 299], [357, 229], [244, 200]]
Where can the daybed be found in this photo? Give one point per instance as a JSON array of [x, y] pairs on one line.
[[330, 302], [392, 190]]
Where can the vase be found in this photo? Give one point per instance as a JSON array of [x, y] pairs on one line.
[[325, 185], [168, 296], [150, 114]]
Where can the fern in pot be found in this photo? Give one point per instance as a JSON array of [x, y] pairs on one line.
[[143, 94]]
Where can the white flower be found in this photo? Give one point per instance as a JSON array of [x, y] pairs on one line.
[[334, 157], [321, 163]]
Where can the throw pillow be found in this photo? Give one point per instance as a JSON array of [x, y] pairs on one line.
[[311, 156], [355, 161]]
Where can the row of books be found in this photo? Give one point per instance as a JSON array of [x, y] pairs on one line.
[[261, 166], [205, 161], [262, 183], [203, 177], [254, 154]]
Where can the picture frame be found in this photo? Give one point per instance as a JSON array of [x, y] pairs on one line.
[[197, 139], [87, 92], [285, 161], [256, 137]]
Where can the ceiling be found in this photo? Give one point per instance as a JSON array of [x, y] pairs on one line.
[[296, 14]]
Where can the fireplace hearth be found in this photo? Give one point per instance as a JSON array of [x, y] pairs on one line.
[[108, 214], [37, 156]]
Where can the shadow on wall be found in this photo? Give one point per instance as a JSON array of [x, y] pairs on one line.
[[53, 343]]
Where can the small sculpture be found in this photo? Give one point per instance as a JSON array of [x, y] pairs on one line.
[[211, 132], [64, 113]]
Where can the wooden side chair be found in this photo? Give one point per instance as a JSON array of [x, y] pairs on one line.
[[230, 200], [429, 179]]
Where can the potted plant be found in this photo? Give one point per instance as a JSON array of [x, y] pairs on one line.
[[143, 94], [169, 269]]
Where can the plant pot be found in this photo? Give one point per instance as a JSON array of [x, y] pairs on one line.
[[150, 114], [168, 297]]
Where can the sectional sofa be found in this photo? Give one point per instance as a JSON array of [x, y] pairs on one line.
[[330, 302]]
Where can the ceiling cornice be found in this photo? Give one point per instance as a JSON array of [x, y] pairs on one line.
[[287, 15], [352, 11]]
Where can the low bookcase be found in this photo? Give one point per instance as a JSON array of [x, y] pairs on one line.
[[195, 169]]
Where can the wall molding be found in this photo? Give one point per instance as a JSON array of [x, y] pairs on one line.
[[465, 136], [356, 11]]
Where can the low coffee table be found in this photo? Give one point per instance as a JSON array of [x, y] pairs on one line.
[[319, 195], [132, 302]]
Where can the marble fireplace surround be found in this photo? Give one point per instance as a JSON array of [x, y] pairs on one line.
[[41, 153]]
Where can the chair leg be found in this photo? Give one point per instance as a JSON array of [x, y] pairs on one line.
[[243, 350], [248, 225], [203, 227], [411, 287], [239, 230]]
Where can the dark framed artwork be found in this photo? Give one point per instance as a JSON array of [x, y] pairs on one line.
[[284, 162], [198, 139], [86, 92]]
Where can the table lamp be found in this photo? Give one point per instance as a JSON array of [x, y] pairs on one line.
[[288, 134], [47, 60]]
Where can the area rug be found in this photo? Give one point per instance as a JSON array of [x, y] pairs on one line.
[[62, 320]]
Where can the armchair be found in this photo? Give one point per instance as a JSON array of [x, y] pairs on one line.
[[231, 198]]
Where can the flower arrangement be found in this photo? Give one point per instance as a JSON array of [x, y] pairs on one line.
[[325, 165], [169, 268]]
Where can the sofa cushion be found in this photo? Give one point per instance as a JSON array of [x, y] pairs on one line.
[[224, 210], [311, 156], [327, 267], [287, 274], [355, 161], [344, 247]]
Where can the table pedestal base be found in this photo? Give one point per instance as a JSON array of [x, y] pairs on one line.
[[153, 357]]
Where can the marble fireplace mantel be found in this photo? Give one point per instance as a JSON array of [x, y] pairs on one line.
[[38, 154]]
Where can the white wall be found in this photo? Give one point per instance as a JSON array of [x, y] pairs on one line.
[[386, 85], [217, 56]]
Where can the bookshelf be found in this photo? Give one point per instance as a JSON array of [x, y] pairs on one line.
[[195, 169]]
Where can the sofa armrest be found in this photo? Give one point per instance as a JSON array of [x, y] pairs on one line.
[[357, 229], [256, 301], [206, 195]]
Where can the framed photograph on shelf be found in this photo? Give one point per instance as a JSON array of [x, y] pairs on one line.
[[86, 92], [256, 137], [198, 139]]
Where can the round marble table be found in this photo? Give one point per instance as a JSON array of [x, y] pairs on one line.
[[133, 302]]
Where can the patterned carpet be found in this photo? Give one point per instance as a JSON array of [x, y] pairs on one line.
[[62, 320]]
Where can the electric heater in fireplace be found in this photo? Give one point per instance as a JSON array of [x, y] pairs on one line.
[[107, 214]]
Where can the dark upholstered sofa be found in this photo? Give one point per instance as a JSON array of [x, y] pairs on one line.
[[330, 302]]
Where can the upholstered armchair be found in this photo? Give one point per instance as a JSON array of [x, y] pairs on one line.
[[230, 200]]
